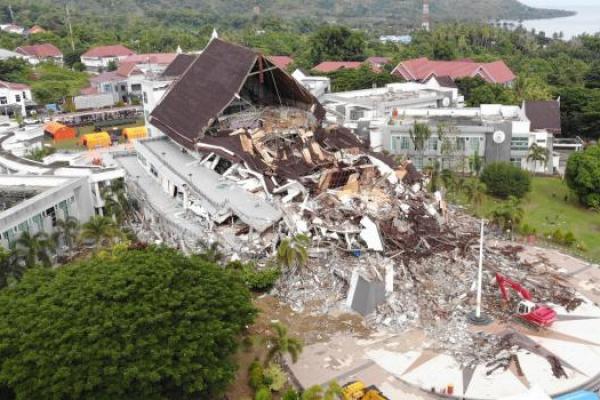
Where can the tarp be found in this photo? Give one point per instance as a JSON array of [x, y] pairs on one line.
[[59, 131], [96, 140], [134, 133]]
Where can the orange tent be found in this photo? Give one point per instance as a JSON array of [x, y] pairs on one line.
[[96, 140], [59, 131]]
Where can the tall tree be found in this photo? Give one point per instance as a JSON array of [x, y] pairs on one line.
[[292, 253], [336, 43], [420, 133], [68, 230], [146, 324], [537, 154]]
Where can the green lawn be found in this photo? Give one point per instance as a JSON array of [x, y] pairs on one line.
[[550, 206]]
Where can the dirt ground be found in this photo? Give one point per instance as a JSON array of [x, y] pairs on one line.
[[305, 326]]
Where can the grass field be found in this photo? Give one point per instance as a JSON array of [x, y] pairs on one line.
[[550, 206]]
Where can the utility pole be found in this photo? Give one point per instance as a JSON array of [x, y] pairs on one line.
[[426, 22], [12, 14], [68, 16], [477, 318]]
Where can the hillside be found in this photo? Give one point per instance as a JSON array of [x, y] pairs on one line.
[[235, 12]]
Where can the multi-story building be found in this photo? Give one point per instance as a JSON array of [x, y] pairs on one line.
[[492, 131], [317, 85]]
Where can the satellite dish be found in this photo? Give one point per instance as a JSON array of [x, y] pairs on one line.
[[446, 102], [499, 137]]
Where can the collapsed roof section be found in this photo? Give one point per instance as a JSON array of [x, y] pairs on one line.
[[225, 79]]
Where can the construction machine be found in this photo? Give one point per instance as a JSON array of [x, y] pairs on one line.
[[538, 315], [359, 391]]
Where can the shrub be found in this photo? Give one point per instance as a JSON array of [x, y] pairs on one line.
[[256, 279], [256, 377], [263, 394], [583, 176], [291, 395], [503, 179], [562, 238], [276, 377], [527, 230]]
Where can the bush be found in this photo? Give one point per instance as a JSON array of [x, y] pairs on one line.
[[256, 376], [256, 279], [263, 394], [583, 176], [562, 238], [503, 179], [527, 230], [291, 395], [276, 377]]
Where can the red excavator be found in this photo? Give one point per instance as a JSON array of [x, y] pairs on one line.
[[539, 315]]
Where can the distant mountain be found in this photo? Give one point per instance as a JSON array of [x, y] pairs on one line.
[[352, 12]]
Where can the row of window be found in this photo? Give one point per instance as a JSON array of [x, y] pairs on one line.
[[36, 223], [4, 99], [404, 143]]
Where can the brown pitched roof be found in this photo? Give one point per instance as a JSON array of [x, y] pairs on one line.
[[213, 81], [444, 81], [116, 50], [544, 115], [40, 50], [178, 66]]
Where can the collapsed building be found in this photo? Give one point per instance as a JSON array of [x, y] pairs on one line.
[[245, 161]]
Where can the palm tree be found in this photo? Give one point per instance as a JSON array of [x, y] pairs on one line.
[[420, 134], [101, 230], [508, 214], [537, 154], [35, 249], [281, 344], [475, 191], [10, 267], [292, 253], [68, 230]]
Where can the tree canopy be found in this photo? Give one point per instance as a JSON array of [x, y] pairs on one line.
[[583, 176], [138, 324]]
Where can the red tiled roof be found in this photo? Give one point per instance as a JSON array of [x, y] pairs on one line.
[[128, 68], [281, 61], [420, 69], [116, 50], [14, 86], [332, 66], [379, 60], [43, 50], [151, 58]]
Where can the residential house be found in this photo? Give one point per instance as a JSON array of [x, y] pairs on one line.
[[125, 84], [317, 85], [35, 30], [45, 52], [12, 28], [282, 62], [14, 97], [98, 59], [151, 63], [378, 63], [422, 69], [6, 54], [327, 67]]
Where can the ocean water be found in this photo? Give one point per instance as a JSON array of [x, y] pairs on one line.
[[587, 19]]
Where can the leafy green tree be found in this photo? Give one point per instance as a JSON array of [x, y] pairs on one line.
[[281, 344], [360, 78], [583, 176], [264, 393], [475, 163], [146, 324], [10, 267], [336, 43], [292, 253], [35, 249], [112, 66], [332, 392], [503, 180], [100, 230]]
